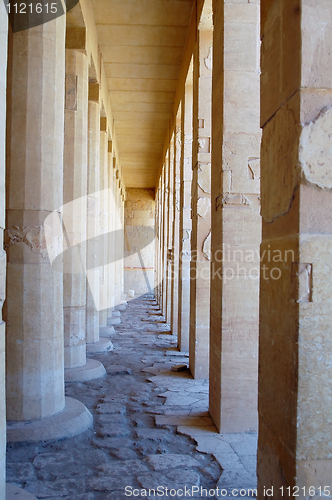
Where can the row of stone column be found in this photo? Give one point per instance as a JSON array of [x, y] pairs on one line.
[[184, 214], [64, 224], [219, 275]]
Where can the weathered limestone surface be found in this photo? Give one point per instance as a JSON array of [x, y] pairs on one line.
[[111, 228], [185, 216], [165, 177], [157, 281], [176, 224], [92, 292], [103, 223], [201, 208], [120, 244], [170, 219], [75, 207], [295, 431], [160, 252], [34, 306], [236, 225], [139, 241], [3, 74]]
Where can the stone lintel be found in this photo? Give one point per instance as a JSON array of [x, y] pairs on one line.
[[94, 91], [103, 124], [76, 39]]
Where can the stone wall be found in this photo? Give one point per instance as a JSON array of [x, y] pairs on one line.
[[3, 66], [139, 241]]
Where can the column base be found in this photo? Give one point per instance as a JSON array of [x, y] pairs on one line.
[[15, 493], [91, 370], [75, 355], [114, 320], [103, 345], [106, 331], [73, 420]]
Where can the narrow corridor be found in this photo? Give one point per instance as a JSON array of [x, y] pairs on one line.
[[143, 414]]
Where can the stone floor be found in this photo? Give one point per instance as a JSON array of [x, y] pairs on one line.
[[151, 428]]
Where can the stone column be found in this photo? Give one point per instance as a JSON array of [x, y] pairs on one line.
[[160, 242], [185, 216], [114, 314], [77, 367], [92, 291], [236, 222], [103, 221], [99, 222], [170, 217], [118, 245], [36, 407], [201, 208], [121, 245], [176, 223], [3, 84], [121, 266], [156, 251], [159, 251], [111, 235], [164, 238], [295, 391]]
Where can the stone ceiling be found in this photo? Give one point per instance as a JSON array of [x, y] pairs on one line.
[[142, 43]]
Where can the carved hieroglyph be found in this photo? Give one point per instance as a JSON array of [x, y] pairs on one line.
[[316, 150]]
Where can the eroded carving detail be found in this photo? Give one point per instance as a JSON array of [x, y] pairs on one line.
[[316, 149], [208, 60], [33, 237], [232, 199], [71, 92], [203, 145], [204, 177], [203, 206], [207, 247], [302, 282], [254, 168]]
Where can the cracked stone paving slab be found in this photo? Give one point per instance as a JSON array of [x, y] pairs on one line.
[[149, 424]]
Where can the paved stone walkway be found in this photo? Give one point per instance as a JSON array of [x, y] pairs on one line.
[[148, 420]]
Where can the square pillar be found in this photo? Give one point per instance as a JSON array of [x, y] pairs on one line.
[[201, 208], [295, 390], [236, 222], [170, 219], [3, 83], [164, 236], [185, 216], [176, 225]]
